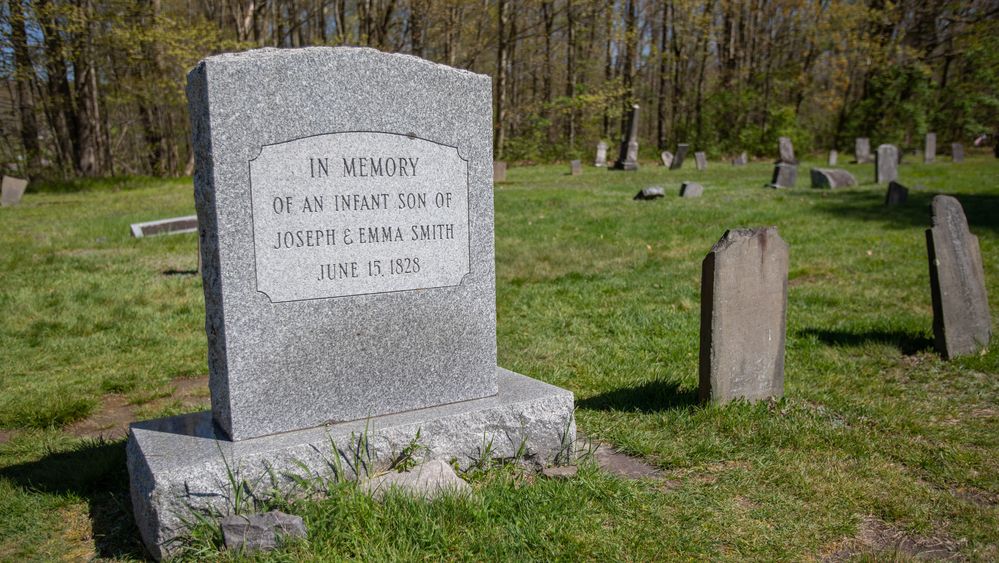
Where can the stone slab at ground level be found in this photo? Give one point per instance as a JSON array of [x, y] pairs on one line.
[[178, 465]]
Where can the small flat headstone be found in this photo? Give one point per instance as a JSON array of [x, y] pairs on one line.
[[428, 481], [691, 189], [11, 190], [743, 316], [886, 164], [862, 150], [250, 533], [560, 472], [957, 152], [786, 151], [962, 324], [897, 194], [832, 178], [681, 153], [499, 171], [575, 168], [701, 160], [785, 175], [666, 158], [930, 148], [172, 226], [833, 158], [601, 159], [650, 193]]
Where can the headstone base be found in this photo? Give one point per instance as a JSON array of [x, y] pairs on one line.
[[182, 465]]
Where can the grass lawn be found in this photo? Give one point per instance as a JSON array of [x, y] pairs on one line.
[[878, 446]]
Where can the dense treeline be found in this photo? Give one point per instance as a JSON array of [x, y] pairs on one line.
[[95, 87]]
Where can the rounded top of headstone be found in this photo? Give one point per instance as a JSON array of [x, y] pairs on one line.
[[946, 210], [766, 235]]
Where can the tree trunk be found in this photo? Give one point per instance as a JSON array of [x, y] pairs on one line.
[[502, 55], [24, 75], [570, 73]]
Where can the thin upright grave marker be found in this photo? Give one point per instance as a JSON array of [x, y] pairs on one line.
[[349, 278], [743, 316], [886, 164], [681, 153], [601, 160], [957, 152], [862, 150], [786, 150], [701, 160], [628, 154], [930, 148], [962, 323], [499, 171], [575, 168]]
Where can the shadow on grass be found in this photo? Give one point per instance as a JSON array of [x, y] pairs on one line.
[[95, 471], [655, 396], [907, 343], [982, 210]]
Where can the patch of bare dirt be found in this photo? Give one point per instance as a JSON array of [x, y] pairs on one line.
[[976, 496], [6, 436], [881, 540], [111, 420], [618, 463]]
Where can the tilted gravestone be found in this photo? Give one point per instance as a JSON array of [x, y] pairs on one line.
[[628, 154], [886, 164], [681, 153], [740, 160], [833, 158], [862, 150], [785, 175], [174, 226], [666, 158], [930, 148], [652, 192], [601, 159], [962, 324], [701, 160], [743, 316], [499, 171], [897, 194], [575, 168], [786, 150], [11, 190], [349, 279], [957, 152], [832, 178], [691, 189]]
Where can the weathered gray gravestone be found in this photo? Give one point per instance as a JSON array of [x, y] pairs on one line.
[[12, 190], [601, 159], [897, 194], [666, 158], [832, 178], [628, 155], [652, 192], [785, 175], [740, 160], [957, 152], [786, 151], [862, 150], [349, 278], [701, 160], [743, 316], [962, 324], [575, 168], [930, 148], [886, 164], [691, 189], [173, 226], [833, 158], [499, 171], [681, 153]]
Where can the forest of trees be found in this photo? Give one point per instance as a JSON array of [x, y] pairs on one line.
[[96, 87]]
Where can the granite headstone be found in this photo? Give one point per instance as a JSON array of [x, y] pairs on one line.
[[786, 150], [681, 153], [862, 150], [785, 175], [930, 148], [499, 171], [897, 194], [12, 190], [701, 160], [601, 160], [743, 316], [628, 154], [832, 178], [575, 168], [691, 189], [957, 152], [886, 164], [666, 158], [833, 158]]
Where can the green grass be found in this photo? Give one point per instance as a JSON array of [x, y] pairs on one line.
[[596, 293]]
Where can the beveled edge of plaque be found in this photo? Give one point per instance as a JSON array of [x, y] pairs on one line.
[[468, 211]]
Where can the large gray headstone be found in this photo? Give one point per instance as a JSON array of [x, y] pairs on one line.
[[743, 315], [691, 189], [785, 175], [886, 164], [957, 152], [832, 178], [862, 150], [12, 190], [681, 153], [499, 171], [701, 160], [930, 148], [786, 150], [575, 168], [347, 245], [601, 159], [666, 158], [628, 155], [962, 324]]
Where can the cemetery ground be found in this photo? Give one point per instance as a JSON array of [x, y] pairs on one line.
[[878, 448]]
